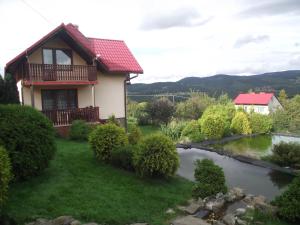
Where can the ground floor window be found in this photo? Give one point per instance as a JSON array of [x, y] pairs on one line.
[[59, 99]]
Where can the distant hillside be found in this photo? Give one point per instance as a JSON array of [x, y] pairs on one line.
[[221, 83]]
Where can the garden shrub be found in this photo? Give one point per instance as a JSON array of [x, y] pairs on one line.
[[240, 124], [157, 157], [226, 112], [122, 156], [105, 138], [286, 154], [210, 179], [28, 137], [112, 119], [260, 124], [131, 123], [212, 126], [135, 135], [192, 131], [160, 111], [79, 130], [5, 175], [173, 129], [289, 201]]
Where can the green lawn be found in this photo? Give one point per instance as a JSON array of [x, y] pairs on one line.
[[264, 219], [77, 185], [149, 129]]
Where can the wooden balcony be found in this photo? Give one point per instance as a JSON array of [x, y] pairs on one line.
[[62, 117], [41, 73]]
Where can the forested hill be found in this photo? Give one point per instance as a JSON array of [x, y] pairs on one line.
[[221, 83]]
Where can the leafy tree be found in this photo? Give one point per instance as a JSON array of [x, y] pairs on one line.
[[192, 131], [240, 124], [282, 96], [226, 112], [224, 99], [9, 92], [260, 124], [160, 110], [210, 179], [213, 126], [194, 106]]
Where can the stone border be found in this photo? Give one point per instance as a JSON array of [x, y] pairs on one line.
[[241, 158], [287, 134]]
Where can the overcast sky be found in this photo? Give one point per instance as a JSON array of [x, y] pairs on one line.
[[170, 39]]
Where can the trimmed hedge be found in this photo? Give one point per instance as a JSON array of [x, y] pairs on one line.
[[192, 131], [260, 124], [240, 124], [79, 130], [212, 126], [135, 135], [122, 157], [286, 154], [105, 138], [210, 179], [289, 201], [5, 175], [28, 137], [157, 157]]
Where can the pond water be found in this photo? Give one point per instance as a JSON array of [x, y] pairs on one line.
[[256, 146], [253, 179]]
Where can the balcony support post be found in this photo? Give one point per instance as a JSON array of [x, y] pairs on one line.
[[93, 94], [32, 95]]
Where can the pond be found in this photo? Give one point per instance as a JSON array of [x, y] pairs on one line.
[[253, 179], [256, 146]]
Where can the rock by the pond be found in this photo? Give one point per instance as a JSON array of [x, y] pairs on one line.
[[189, 220], [139, 224], [234, 194], [76, 222], [240, 211], [253, 200], [218, 222], [240, 222], [192, 208], [170, 211], [215, 204], [229, 219], [63, 220]]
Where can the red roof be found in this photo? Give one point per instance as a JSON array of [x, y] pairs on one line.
[[114, 55], [253, 99]]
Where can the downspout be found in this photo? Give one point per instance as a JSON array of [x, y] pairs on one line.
[[127, 82]]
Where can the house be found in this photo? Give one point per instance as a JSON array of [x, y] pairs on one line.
[[69, 76], [262, 102]]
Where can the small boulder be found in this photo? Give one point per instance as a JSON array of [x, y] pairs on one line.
[[76, 222], [189, 220], [240, 211], [139, 224], [63, 220], [234, 194], [170, 211], [241, 222], [215, 205], [229, 219]]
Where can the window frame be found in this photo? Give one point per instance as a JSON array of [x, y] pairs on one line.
[[54, 91], [54, 58]]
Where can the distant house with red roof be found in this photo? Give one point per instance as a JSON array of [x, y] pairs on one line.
[[69, 76], [262, 102]]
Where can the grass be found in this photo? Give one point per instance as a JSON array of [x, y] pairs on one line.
[[264, 219], [149, 129], [77, 185]]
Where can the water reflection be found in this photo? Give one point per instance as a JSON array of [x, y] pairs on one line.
[[255, 180], [257, 146]]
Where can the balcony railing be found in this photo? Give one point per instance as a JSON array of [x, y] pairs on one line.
[[61, 117], [50, 72]]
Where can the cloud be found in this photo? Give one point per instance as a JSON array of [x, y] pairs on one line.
[[272, 7], [248, 39], [181, 17]]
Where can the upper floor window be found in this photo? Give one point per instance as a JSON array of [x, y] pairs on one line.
[[57, 56]]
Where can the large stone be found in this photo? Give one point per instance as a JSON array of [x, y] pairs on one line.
[[234, 194], [189, 220], [241, 222], [139, 224], [218, 222], [76, 222], [63, 220], [193, 206], [240, 211], [215, 205], [170, 211], [253, 200], [229, 219]]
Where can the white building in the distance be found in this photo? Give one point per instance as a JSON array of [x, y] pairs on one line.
[[262, 102]]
